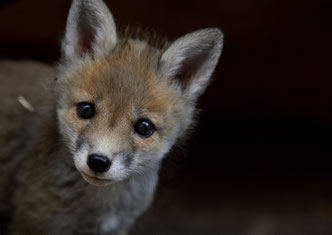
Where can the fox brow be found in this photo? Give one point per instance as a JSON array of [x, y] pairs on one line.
[[153, 38]]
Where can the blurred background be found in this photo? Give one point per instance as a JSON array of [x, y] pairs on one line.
[[259, 161]]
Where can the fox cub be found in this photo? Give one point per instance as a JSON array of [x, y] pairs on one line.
[[120, 101]]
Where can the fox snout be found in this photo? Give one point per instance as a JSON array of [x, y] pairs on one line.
[[99, 163]]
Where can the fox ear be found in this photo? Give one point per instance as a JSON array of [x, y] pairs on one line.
[[191, 60], [90, 29]]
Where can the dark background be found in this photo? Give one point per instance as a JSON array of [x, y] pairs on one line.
[[260, 159]]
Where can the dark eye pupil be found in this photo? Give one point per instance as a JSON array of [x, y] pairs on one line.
[[144, 128], [85, 110]]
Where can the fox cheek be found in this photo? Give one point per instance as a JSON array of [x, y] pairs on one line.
[[127, 160], [81, 143]]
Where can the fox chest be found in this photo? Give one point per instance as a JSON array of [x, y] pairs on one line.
[[104, 211]]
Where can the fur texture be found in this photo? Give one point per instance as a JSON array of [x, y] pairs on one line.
[[127, 79]]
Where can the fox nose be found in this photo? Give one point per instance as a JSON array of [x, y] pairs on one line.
[[99, 163]]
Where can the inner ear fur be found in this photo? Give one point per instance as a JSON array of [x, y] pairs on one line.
[[191, 60], [90, 29]]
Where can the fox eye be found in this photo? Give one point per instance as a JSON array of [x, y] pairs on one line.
[[144, 128], [85, 110]]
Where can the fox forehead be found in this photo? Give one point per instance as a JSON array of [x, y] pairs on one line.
[[129, 73]]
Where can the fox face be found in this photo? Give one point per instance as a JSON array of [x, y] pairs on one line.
[[122, 102], [119, 109]]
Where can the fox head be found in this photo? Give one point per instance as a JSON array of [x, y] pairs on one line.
[[122, 102]]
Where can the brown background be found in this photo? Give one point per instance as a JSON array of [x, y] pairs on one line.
[[260, 160]]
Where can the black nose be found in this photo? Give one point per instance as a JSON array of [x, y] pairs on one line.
[[99, 163]]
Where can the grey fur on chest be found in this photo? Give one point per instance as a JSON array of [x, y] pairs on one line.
[[66, 204]]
